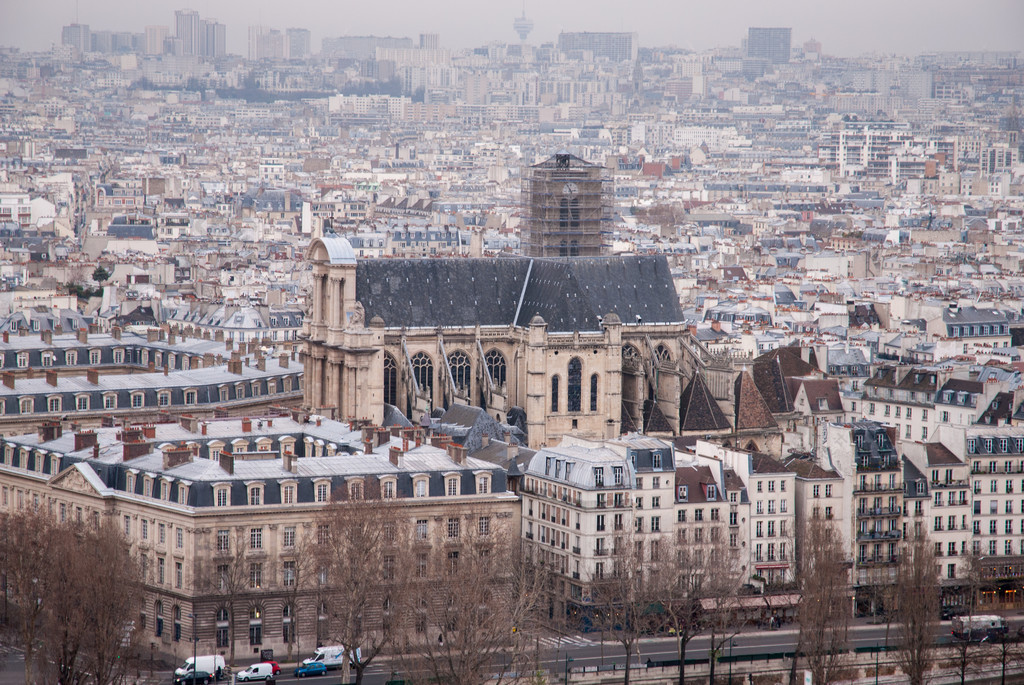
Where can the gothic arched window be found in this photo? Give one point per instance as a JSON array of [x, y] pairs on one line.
[[663, 354], [593, 392], [390, 380], [554, 394], [496, 366], [574, 385], [461, 371], [423, 372]]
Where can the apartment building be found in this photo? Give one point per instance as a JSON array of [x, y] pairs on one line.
[[198, 499], [583, 500], [903, 397]]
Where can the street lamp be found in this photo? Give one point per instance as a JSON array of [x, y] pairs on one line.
[[195, 647], [569, 660], [732, 641], [876, 663]]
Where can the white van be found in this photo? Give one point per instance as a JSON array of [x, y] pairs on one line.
[[211, 663], [332, 657], [256, 672]]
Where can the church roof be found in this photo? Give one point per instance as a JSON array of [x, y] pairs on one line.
[[771, 384], [750, 409], [569, 294], [698, 410]]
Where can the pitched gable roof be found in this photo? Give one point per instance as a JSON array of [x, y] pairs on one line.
[[750, 409], [771, 383], [698, 410]]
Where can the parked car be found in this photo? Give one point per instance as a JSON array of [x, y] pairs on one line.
[[312, 668], [260, 671], [194, 678]]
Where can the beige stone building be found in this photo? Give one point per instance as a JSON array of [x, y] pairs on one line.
[[592, 347], [220, 512]]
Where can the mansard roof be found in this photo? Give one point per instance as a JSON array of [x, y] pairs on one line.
[[569, 294]]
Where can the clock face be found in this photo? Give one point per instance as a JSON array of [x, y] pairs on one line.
[[570, 189]]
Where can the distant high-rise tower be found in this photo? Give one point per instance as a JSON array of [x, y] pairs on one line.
[[155, 38], [186, 24], [77, 36], [615, 47], [299, 43], [770, 44], [566, 207], [522, 25], [430, 41], [212, 38]]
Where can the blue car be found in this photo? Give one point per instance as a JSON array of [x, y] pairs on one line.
[[315, 668]]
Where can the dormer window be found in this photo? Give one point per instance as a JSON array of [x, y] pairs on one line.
[[599, 476], [712, 492], [616, 475], [683, 493], [656, 460], [255, 495]]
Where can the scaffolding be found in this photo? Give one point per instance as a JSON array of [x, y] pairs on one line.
[[567, 208]]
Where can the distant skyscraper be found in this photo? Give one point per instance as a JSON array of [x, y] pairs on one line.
[[212, 38], [616, 47], [565, 200], [156, 36], [430, 41], [265, 43], [186, 23], [299, 43], [77, 36], [522, 25], [771, 44]]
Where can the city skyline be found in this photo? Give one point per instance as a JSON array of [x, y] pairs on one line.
[[910, 27]]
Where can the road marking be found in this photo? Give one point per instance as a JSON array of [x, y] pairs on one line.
[[575, 641]]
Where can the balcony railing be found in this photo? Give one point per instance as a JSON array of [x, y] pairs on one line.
[[879, 511], [880, 535], [879, 559], [600, 552], [575, 550], [878, 487]]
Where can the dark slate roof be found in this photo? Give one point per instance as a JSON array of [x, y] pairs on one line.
[[569, 294], [698, 410], [750, 409], [654, 419], [791, 361], [771, 383]]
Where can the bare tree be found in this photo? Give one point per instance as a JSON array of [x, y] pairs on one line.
[[965, 648], [625, 595], [824, 612], [96, 591], [917, 607], [226, 578], [469, 592], [26, 556], [363, 544], [692, 571], [300, 568]]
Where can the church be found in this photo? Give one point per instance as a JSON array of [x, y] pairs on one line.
[[594, 346]]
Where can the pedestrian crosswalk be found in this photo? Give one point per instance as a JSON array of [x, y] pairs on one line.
[[566, 640]]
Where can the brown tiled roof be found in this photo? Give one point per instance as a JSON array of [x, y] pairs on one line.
[[818, 388], [762, 463], [698, 410], [750, 409], [791, 361], [807, 468], [771, 383], [939, 455]]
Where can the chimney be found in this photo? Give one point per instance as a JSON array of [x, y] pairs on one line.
[[485, 440], [115, 332], [208, 360], [290, 464], [229, 345], [9, 379], [152, 334], [176, 455], [50, 430], [51, 378], [235, 364], [7, 337], [170, 336], [506, 436], [247, 425], [167, 369], [189, 423], [133, 450], [96, 451], [227, 462], [83, 335], [149, 431], [261, 363], [202, 427], [47, 337], [457, 453], [437, 441], [93, 376], [85, 439], [394, 455], [151, 366], [716, 325], [282, 361], [319, 420]]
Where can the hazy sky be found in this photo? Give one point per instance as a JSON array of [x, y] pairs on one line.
[[844, 28]]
